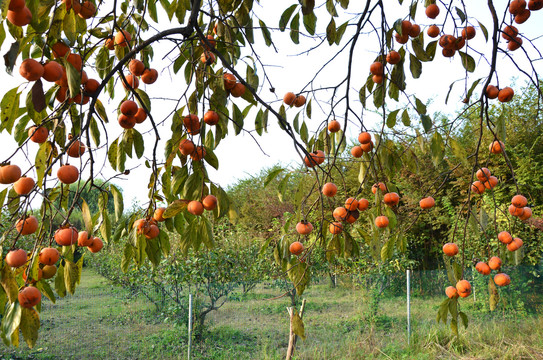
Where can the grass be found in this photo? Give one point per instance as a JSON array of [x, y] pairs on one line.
[[105, 322]]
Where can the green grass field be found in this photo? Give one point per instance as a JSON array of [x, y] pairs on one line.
[[104, 322]]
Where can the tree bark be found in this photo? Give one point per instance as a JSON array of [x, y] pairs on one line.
[[292, 336]]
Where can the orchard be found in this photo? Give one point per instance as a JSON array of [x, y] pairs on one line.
[[87, 110]]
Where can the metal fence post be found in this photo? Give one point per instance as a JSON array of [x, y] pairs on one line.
[[190, 326], [408, 306]]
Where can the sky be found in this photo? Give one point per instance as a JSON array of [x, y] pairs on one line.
[[289, 68]]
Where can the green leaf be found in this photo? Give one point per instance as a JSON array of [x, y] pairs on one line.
[[46, 290], [295, 29], [415, 66], [118, 201], [461, 15], [340, 31], [391, 118], [30, 324], [60, 286], [74, 79], [8, 283], [310, 23], [443, 311], [12, 319], [459, 151], [265, 33], [331, 32], [406, 121], [9, 109], [285, 17], [467, 61], [437, 147], [237, 119], [426, 122], [485, 31], [72, 275], [101, 110], [464, 319], [272, 175]]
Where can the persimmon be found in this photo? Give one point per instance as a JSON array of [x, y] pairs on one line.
[[451, 292], [34, 280], [157, 215], [304, 227], [377, 68], [464, 288], [335, 227], [27, 225], [367, 147], [506, 94], [66, 236], [83, 239], [76, 149], [364, 138], [381, 221], [406, 26], [29, 297], [393, 57], [192, 124], [299, 101], [496, 147], [414, 31], [378, 79], [381, 186], [289, 98], [515, 211], [329, 189], [516, 6], [31, 70], [433, 31], [296, 248], [509, 32], [123, 38], [211, 118], [68, 174], [535, 5], [491, 183], [136, 67], [211, 40], [129, 107], [126, 122], [149, 76], [131, 82], [186, 147], [492, 92], [432, 11], [391, 199], [502, 279], [334, 126], [482, 268], [519, 201], [110, 43], [208, 58], [351, 204], [477, 187], [427, 203], [21, 17], [140, 116], [339, 213], [495, 263], [526, 213], [76, 61], [9, 174], [450, 249], [448, 52], [61, 94], [363, 204], [356, 151], [195, 208], [515, 244], [97, 244], [16, 258], [52, 71], [352, 216], [238, 90], [198, 154], [468, 32], [38, 134], [514, 44], [48, 256], [505, 237], [87, 10], [315, 158], [209, 202], [24, 185], [49, 271], [15, 5], [483, 174], [59, 49], [229, 81]]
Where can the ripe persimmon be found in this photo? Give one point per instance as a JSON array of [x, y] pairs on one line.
[[208, 58], [186, 147], [433, 31], [15, 5], [432, 11], [136, 67], [38, 134], [514, 44], [48, 256], [315, 158], [363, 204], [351, 204], [352, 216], [149, 76], [131, 82], [122, 38], [97, 244], [329, 189], [76, 149], [339, 213], [66, 236], [304, 227], [296, 248], [381, 186], [381, 221], [21, 17], [427, 203], [367, 147], [482, 268], [505, 237], [468, 32], [16, 258], [24, 185], [289, 98], [87, 10], [502, 279], [68, 174], [192, 124], [393, 57], [477, 187], [509, 32], [335, 227], [209, 202], [451, 292], [83, 239], [52, 71], [34, 280], [91, 86], [496, 147], [229, 81], [483, 174], [378, 79], [414, 31], [506, 94], [377, 68], [75, 60], [157, 215], [492, 92], [9, 174], [198, 154], [129, 107], [391, 199], [364, 138], [334, 126], [535, 5], [29, 297], [516, 6], [515, 211], [140, 116], [31, 70], [27, 225], [299, 101], [464, 288], [526, 213], [515, 244], [450, 249], [356, 151], [491, 183], [211, 118], [195, 208], [495, 263], [238, 90], [519, 201], [126, 122]]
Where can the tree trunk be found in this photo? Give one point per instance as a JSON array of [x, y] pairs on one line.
[[332, 280], [292, 337]]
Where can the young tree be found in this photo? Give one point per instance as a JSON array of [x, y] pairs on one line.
[[73, 57]]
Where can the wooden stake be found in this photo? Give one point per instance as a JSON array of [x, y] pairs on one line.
[[292, 337]]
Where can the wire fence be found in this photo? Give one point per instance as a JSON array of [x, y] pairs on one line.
[[101, 321]]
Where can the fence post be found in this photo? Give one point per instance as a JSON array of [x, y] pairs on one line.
[[190, 326], [408, 306]]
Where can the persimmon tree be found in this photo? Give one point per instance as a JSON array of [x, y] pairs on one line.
[[74, 58]]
